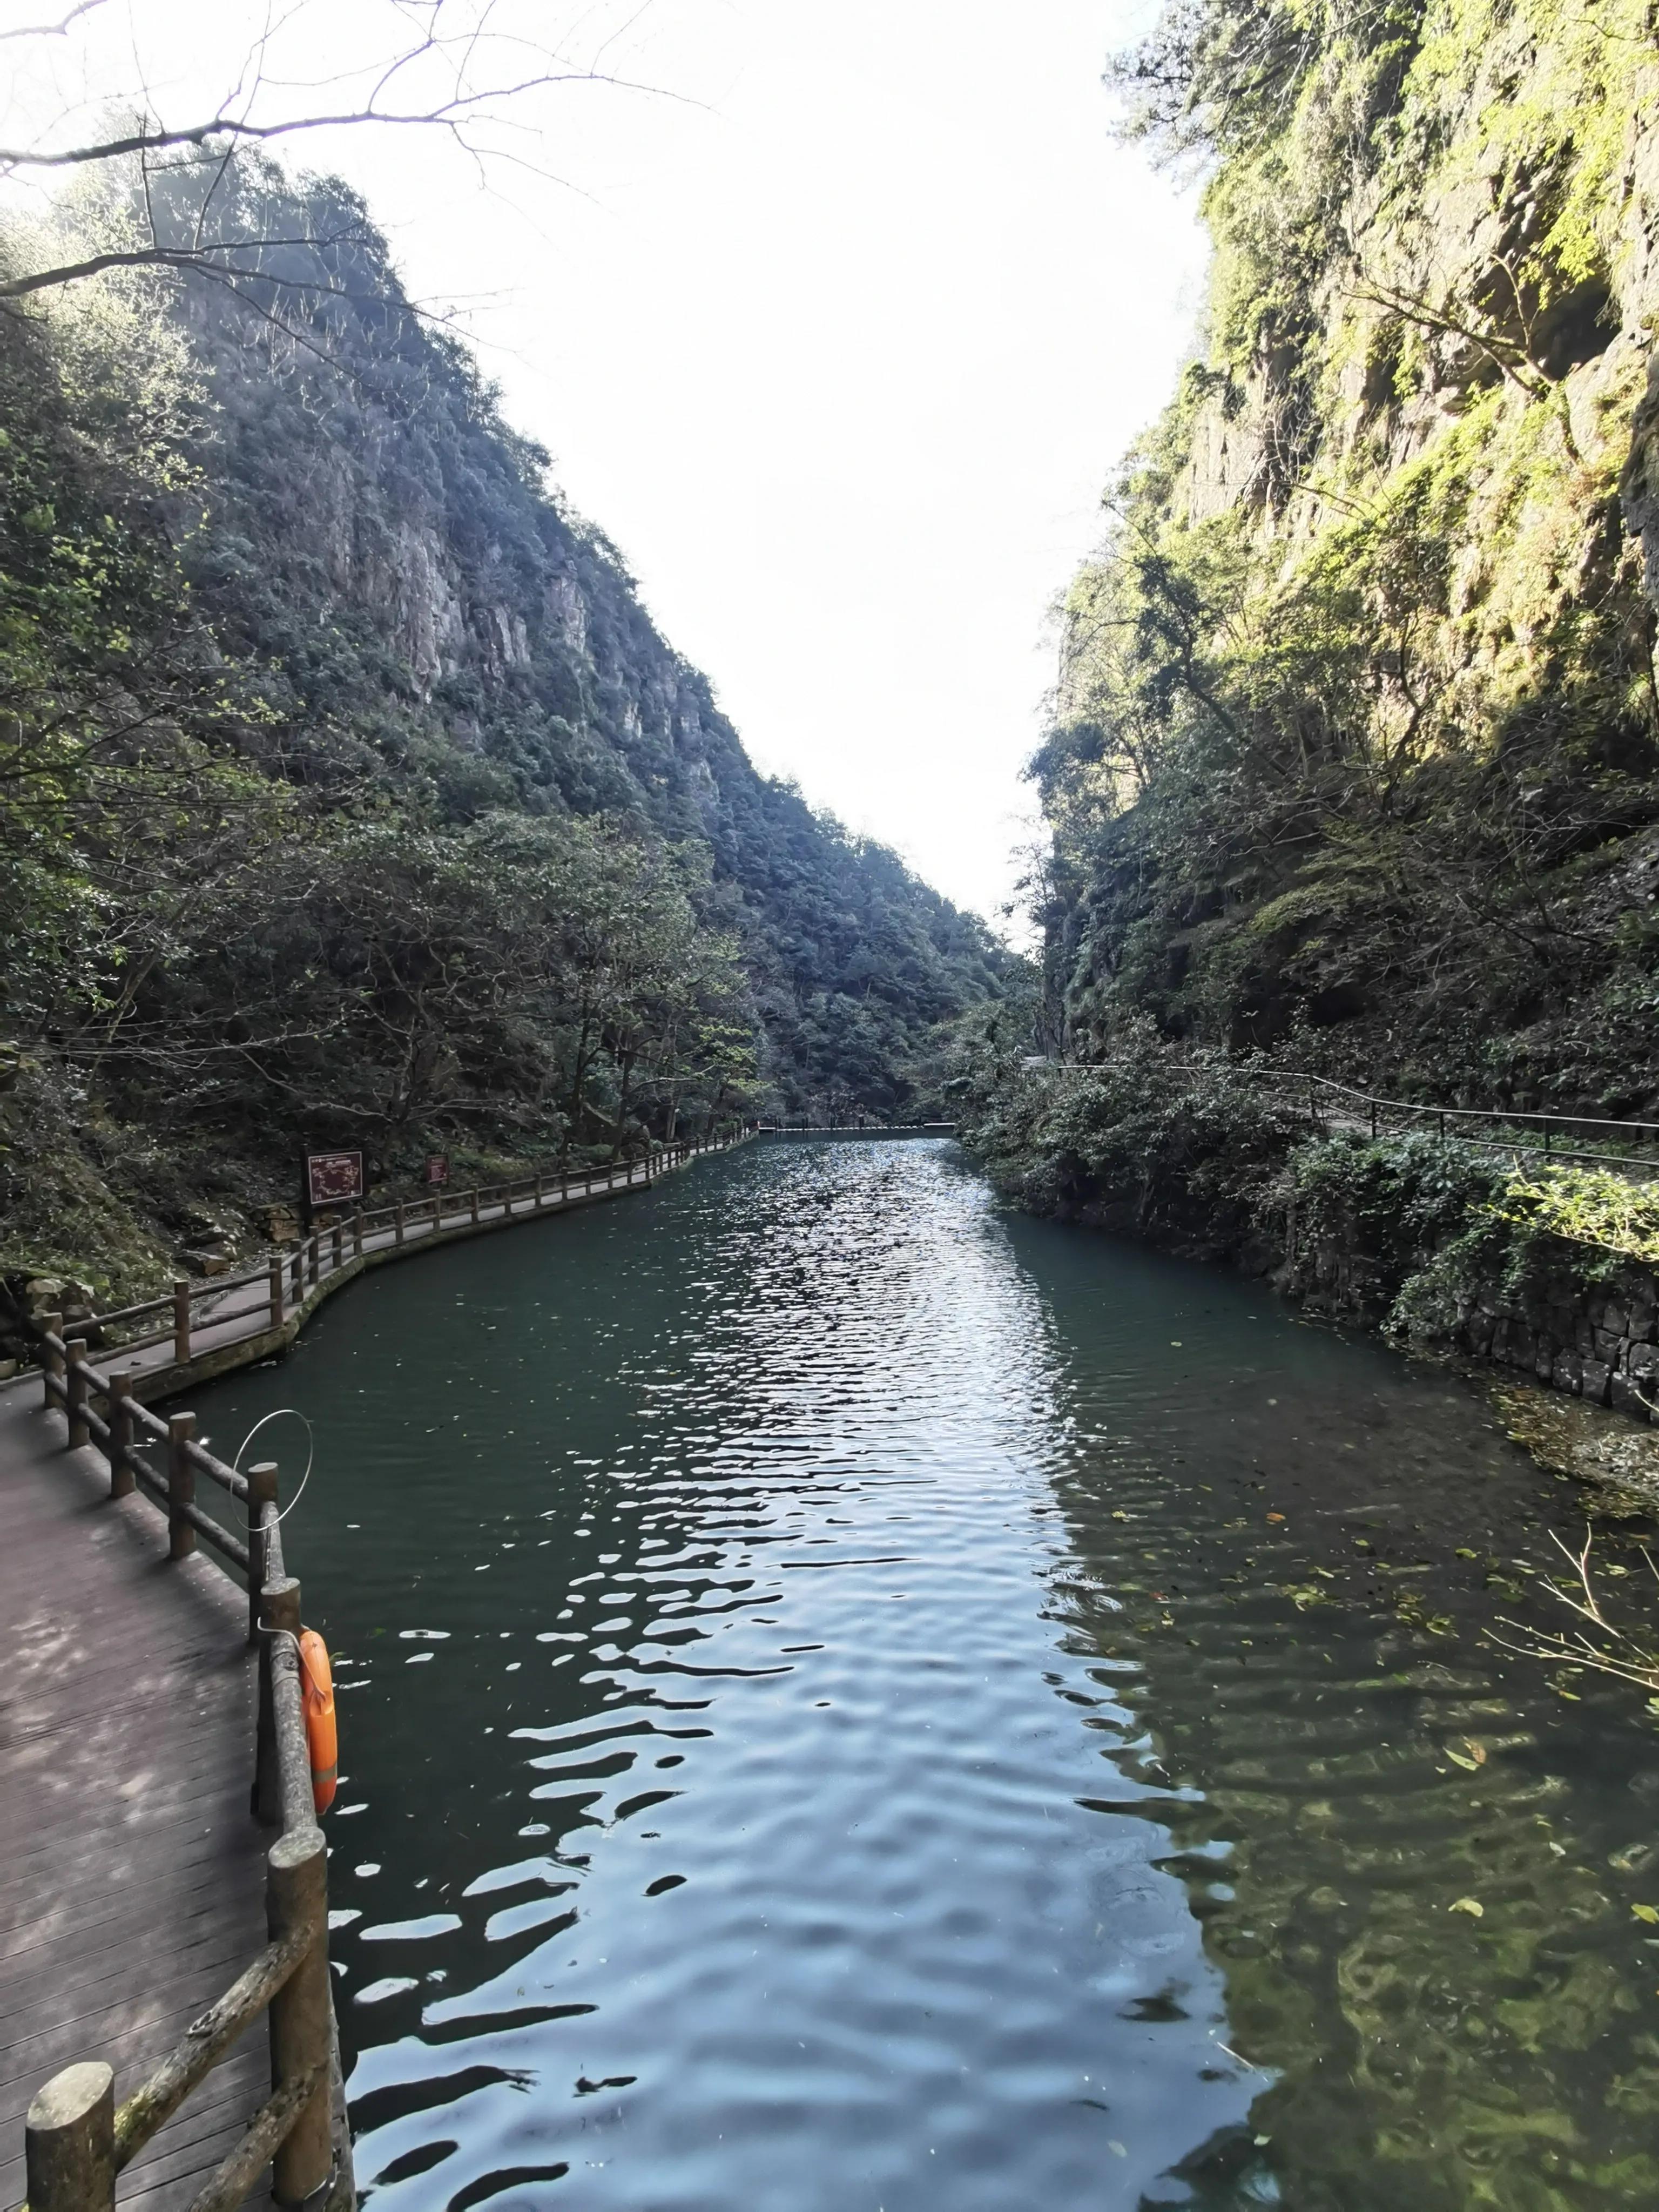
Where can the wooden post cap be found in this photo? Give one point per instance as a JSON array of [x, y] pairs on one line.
[[69, 2142], [70, 2097]]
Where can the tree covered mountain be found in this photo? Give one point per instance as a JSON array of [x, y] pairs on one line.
[[1357, 761], [349, 793]]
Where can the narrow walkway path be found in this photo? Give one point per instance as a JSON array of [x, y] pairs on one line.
[[131, 1889], [131, 1869], [209, 1337]]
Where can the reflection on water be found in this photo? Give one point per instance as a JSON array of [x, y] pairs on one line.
[[854, 1700]]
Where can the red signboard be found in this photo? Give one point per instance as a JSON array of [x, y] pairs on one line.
[[332, 1177], [437, 1167]]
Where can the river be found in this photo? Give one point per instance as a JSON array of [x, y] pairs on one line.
[[853, 1700]]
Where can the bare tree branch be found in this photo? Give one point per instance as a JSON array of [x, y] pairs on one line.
[[52, 30]]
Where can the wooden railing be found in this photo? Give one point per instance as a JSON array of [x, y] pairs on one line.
[[285, 1279], [77, 2140]]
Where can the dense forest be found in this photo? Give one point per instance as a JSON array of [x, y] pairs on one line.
[[348, 794], [1354, 767]]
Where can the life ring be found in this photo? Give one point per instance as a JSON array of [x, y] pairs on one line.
[[316, 1689]]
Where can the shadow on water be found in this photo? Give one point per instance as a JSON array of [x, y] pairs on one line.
[[852, 1698]]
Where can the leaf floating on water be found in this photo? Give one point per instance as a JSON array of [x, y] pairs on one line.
[[1469, 1765], [1275, 1516], [1472, 1756], [1472, 1905], [1648, 1912]]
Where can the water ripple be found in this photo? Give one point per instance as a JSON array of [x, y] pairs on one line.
[[893, 1761]]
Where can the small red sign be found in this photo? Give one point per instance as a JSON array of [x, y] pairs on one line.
[[334, 1177], [437, 1168]]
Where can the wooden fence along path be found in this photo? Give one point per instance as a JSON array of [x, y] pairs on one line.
[[203, 1329], [155, 1785]]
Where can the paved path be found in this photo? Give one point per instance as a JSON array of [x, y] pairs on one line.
[[131, 1890]]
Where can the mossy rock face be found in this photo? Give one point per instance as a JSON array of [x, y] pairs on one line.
[[1356, 754]]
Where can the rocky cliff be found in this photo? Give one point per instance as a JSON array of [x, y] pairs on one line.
[[349, 794], [1356, 755]]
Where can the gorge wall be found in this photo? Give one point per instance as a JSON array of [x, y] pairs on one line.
[[349, 794], [1356, 755], [1354, 768]]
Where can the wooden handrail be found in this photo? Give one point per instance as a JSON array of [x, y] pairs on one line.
[[75, 2143], [323, 1254]]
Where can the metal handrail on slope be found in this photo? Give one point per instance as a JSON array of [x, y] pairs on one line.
[[1306, 1089]]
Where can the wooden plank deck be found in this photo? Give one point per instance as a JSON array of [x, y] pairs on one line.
[[132, 1873]]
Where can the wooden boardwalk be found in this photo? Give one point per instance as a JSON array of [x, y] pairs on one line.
[[131, 1872], [133, 1886]]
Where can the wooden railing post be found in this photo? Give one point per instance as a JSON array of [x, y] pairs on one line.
[[261, 1493], [121, 1479], [76, 1401], [296, 1896], [181, 1323], [540, 1181], [274, 1278], [475, 1204], [357, 1234], [312, 1252], [279, 1616], [297, 1273], [68, 2142], [181, 1485], [337, 1255], [52, 1360], [397, 1223]]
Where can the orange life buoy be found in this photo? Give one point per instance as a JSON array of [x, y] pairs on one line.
[[317, 1687]]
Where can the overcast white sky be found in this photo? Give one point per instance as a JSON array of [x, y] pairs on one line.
[[837, 335]]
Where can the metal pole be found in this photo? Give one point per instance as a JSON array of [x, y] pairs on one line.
[[261, 1493]]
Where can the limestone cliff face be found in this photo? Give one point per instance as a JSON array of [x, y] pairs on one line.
[[432, 630], [1355, 753], [408, 564]]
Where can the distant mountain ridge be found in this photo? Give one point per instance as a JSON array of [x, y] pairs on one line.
[[351, 794]]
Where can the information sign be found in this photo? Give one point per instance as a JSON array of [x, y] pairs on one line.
[[332, 1178]]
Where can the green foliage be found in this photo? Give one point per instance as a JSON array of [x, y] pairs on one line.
[[347, 792], [1357, 759], [1163, 1144], [1595, 1207]]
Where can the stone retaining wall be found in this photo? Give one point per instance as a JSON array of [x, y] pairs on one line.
[[1597, 1344]]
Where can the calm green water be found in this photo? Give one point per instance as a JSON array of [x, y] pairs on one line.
[[834, 1720]]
